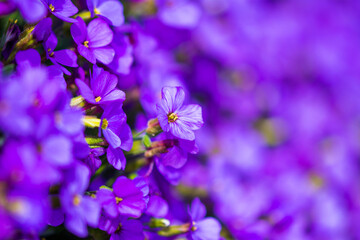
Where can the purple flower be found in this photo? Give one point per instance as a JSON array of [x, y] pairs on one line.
[[177, 151], [110, 10], [79, 210], [10, 38], [32, 10], [65, 57], [116, 158], [93, 40], [201, 227], [28, 58], [122, 228], [180, 13], [6, 8], [128, 197], [173, 117], [123, 59], [114, 127], [42, 30], [43, 33], [28, 208], [157, 207], [93, 161], [103, 87], [62, 9]]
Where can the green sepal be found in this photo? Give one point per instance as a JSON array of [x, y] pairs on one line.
[[105, 187], [174, 230], [159, 223], [146, 141]]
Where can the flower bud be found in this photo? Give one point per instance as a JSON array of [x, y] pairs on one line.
[[159, 223], [153, 128]]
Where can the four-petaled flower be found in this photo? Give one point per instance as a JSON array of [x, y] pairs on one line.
[[176, 118], [103, 87], [110, 10], [62, 9], [200, 227], [128, 197], [93, 41]]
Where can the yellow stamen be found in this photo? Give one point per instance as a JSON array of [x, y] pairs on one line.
[[104, 124], [118, 228], [36, 102], [17, 207], [76, 200], [193, 228], [98, 99], [96, 11], [86, 44], [172, 117], [51, 54], [118, 200], [52, 8]]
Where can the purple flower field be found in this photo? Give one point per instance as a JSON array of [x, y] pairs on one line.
[[180, 119]]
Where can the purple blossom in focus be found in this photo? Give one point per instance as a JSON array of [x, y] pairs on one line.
[[181, 120], [103, 88], [128, 197], [93, 41], [121, 228], [62, 9], [110, 10], [201, 227]]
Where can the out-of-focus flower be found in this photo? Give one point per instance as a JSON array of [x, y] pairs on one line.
[[79, 210], [32, 10], [179, 13]]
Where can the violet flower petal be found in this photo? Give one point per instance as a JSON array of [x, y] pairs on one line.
[[87, 53], [78, 31], [116, 158], [197, 210], [112, 11], [85, 91], [104, 54], [66, 57], [99, 33]]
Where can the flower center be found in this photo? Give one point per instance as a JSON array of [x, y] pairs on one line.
[[96, 11], [172, 117], [17, 207], [118, 228], [193, 228], [98, 99], [104, 124], [118, 200], [52, 8], [76, 200], [86, 44], [51, 54]]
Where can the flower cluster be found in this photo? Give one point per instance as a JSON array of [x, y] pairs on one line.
[[65, 137], [179, 119]]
